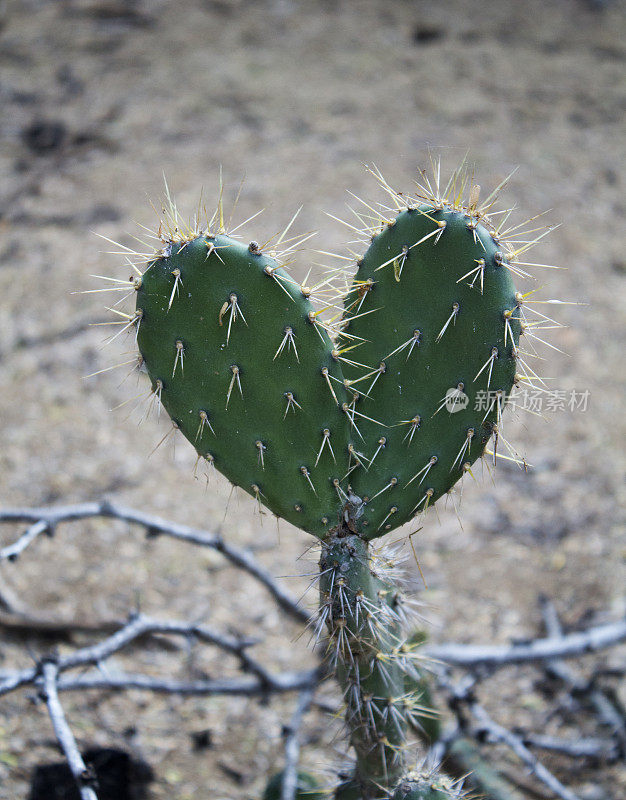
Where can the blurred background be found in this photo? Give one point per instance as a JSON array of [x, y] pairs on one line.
[[99, 99]]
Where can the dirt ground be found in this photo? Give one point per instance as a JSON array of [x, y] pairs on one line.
[[99, 98]]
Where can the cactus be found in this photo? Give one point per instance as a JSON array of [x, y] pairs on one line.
[[347, 428], [384, 410], [307, 787]]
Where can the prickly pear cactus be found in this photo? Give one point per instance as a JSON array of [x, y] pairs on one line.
[[392, 404], [348, 409]]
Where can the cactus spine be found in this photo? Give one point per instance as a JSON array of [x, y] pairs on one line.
[[347, 428]]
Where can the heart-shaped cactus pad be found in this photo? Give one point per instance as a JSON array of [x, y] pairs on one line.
[[384, 406]]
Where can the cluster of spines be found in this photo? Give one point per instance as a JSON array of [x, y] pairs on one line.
[[428, 784]]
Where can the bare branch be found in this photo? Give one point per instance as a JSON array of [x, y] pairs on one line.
[[44, 520], [82, 774], [274, 684], [462, 696], [291, 735], [12, 551], [604, 749], [140, 626], [500, 734], [607, 711], [25, 623], [493, 656]]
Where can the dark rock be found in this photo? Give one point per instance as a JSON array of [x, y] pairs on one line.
[[117, 777]]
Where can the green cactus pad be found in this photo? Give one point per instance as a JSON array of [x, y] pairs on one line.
[[444, 338], [307, 788], [234, 353]]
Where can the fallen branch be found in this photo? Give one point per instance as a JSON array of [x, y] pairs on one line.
[[82, 774], [272, 684], [463, 698], [45, 520], [493, 656], [291, 734], [607, 711], [498, 733], [604, 749], [140, 626]]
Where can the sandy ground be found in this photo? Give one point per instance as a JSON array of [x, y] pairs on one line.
[[98, 99]]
